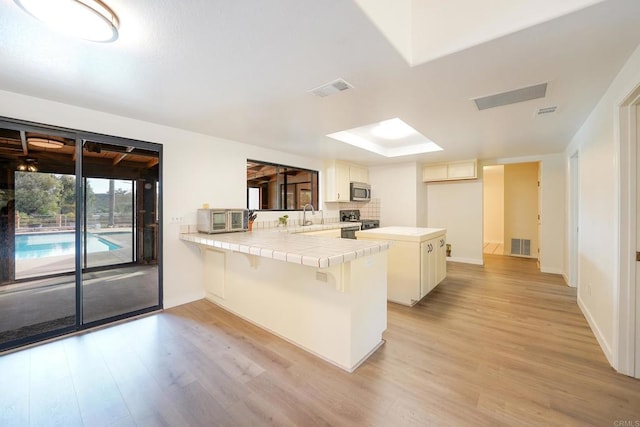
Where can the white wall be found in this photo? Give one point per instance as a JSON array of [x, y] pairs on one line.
[[196, 169], [457, 206], [396, 187], [597, 141], [493, 204]]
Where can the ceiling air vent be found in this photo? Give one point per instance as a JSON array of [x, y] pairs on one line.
[[330, 88], [511, 97], [546, 110]]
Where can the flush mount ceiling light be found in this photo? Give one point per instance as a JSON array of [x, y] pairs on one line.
[[389, 138], [86, 19], [44, 142]]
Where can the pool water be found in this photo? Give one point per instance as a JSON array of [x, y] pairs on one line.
[[30, 246]]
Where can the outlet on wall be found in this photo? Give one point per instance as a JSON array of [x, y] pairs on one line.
[[176, 219]]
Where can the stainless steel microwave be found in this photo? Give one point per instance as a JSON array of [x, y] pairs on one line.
[[360, 192], [222, 220]]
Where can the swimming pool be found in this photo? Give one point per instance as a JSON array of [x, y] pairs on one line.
[[30, 246]]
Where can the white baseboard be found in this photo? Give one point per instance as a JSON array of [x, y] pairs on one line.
[[566, 280], [182, 299], [604, 345], [544, 269], [466, 260]]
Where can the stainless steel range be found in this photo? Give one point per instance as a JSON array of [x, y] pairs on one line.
[[353, 215]]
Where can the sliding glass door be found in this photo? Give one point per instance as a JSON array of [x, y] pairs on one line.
[[79, 230], [120, 274]]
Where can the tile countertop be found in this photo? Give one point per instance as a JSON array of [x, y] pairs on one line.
[[407, 234], [292, 246]]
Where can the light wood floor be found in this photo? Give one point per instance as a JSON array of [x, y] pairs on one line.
[[493, 248], [495, 345]]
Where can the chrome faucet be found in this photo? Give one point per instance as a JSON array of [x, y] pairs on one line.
[[304, 214]]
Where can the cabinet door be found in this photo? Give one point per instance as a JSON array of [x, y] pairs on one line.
[[434, 172], [342, 182], [433, 263], [441, 256], [424, 269], [358, 174], [214, 269], [337, 182], [462, 170]]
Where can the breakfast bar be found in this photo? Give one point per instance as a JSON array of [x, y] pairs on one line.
[[325, 295]]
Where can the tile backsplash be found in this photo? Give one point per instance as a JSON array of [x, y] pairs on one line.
[[368, 210]]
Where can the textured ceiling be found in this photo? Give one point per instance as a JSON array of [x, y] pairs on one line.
[[241, 70]]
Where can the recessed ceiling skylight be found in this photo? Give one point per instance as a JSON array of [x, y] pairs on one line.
[[389, 138]]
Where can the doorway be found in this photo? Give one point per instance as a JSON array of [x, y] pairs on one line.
[[627, 316], [574, 215], [511, 209], [79, 231]]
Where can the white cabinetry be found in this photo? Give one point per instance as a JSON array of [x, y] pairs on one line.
[[336, 182], [214, 272], [417, 260], [338, 175], [358, 174], [466, 169], [434, 262]]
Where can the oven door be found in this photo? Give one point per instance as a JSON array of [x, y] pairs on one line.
[[218, 222], [236, 220]]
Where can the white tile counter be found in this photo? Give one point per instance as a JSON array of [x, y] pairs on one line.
[[290, 245], [397, 233]]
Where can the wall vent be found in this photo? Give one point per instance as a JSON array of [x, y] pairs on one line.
[[511, 97], [521, 247], [546, 110], [338, 85]]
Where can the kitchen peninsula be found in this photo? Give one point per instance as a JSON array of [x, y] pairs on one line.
[[325, 295]]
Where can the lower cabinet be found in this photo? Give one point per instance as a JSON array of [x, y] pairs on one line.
[[415, 266], [433, 261]]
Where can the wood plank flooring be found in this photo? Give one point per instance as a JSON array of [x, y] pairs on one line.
[[496, 345]]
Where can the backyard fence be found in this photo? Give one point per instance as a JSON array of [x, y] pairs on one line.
[[27, 223]]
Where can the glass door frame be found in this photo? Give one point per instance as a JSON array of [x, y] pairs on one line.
[[80, 136]]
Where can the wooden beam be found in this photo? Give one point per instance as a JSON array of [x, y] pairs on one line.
[[120, 157], [25, 147], [151, 163]]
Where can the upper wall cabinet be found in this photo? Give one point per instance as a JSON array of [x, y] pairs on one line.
[[338, 175], [466, 169], [358, 174], [336, 182]]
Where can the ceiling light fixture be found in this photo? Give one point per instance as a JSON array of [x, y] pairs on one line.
[[28, 164], [45, 143], [86, 19]]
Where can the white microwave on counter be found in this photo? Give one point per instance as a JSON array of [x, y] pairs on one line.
[[222, 220]]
